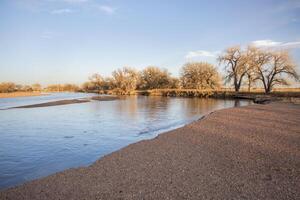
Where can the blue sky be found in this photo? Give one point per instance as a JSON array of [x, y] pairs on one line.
[[60, 41]]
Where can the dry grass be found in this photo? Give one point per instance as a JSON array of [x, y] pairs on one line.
[[19, 94], [218, 93]]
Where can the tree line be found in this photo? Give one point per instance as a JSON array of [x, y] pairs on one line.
[[243, 67], [7, 87], [197, 75]]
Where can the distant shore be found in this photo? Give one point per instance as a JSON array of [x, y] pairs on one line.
[[20, 94], [247, 152]]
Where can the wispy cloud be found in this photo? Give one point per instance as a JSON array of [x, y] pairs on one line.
[[107, 9], [75, 1], [275, 44], [49, 35], [201, 53], [62, 11], [288, 5]]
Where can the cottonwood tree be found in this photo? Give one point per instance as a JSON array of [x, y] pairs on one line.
[[36, 87], [7, 87], [70, 87], [27, 88], [174, 83], [199, 75], [249, 55], [125, 79], [155, 78], [250, 78], [95, 82], [273, 67], [236, 67], [62, 87]]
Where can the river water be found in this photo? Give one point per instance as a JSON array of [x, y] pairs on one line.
[[36, 142]]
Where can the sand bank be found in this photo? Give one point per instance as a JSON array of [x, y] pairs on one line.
[[55, 103], [70, 101], [248, 152]]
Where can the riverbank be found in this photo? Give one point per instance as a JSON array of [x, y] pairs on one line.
[[221, 93], [248, 152], [20, 94]]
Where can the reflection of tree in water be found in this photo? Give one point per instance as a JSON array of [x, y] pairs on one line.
[[128, 106], [237, 103], [199, 106], [155, 106], [137, 107], [154, 110]]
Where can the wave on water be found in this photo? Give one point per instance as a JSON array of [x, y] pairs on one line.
[[162, 129]]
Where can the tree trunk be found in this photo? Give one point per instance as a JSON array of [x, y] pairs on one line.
[[249, 86], [268, 89], [236, 88], [236, 85]]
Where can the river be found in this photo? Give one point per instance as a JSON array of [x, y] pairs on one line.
[[36, 142]]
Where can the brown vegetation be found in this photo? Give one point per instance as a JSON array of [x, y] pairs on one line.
[[62, 88], [19, 94], [155, 78], [7, 87], [199, 75]]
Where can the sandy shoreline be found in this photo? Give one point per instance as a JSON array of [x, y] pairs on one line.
[[249, 152]]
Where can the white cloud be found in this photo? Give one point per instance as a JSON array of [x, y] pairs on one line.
[[265, 43], [201, 53], [291, 44], [275, 44], [61, 11], [107, 9]]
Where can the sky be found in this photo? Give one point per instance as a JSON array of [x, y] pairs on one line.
[[65, 41]]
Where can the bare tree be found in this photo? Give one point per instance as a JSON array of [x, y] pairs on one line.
[[96, 81], [155, 78], [7, 87], [199, 75], [125, 79], [63, 87], [36, 87], [174, 83], [70, 87], [87, 86], [251, 78], [235, 61], [273, 68], [249, 65]]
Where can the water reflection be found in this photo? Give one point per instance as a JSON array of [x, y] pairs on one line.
[[39, 141]]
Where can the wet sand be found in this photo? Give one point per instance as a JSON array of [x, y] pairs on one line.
[[248, 152], [70, 101]]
